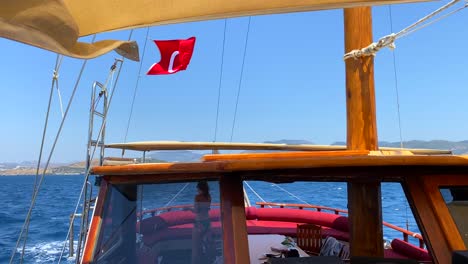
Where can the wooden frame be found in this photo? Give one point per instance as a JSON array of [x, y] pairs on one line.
[[96, 223], [235, 242], [436, 223], [433, 171]]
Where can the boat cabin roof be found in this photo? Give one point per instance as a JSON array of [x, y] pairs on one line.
[[318, 163], [421, 177]]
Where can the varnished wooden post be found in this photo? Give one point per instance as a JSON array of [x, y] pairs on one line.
[[236, 247], [364, 197]]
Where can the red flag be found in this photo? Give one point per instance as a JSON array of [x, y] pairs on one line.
[[175, 56]]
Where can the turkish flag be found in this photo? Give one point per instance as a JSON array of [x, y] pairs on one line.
[[175, 56]]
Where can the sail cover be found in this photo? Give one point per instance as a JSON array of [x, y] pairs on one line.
[[57, 24]]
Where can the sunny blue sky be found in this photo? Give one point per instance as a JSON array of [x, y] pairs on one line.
[[293, 84]]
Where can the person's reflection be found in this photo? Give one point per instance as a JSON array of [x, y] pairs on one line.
[[202, 224]]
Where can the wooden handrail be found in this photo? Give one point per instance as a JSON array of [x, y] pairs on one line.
[[406, 233]]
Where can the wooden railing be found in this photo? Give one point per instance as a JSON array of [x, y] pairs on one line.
[[406, 233]]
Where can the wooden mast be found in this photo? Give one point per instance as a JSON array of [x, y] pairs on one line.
[[364, 196]]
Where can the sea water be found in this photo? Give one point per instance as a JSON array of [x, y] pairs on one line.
[[58, 197]]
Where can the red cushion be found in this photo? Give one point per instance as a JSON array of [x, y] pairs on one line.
[[251, 213], [390, 253], [215, 214], [177, 232], [341, 223], [338, 234], [185, 217], [271, 227], [409, 250], [289, 229], [302, 216], [151, 224], [177, 217]]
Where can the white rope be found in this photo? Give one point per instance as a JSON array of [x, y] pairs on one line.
[[298, 198], [389, 40], [258, 195], [55, 77], [60, 99]]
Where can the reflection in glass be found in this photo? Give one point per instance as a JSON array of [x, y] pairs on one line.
[[161, 223], [457, 203]]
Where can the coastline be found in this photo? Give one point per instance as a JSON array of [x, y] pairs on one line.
[[47, 174]]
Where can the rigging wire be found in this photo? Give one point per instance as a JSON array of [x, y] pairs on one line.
[[122, 60], [397, 101], [36, 177], [240, 79], [291, 194], [177, 194], [220, 82], [256, 194], [25, 229], [136, 85], [58, 63], [396, 80]]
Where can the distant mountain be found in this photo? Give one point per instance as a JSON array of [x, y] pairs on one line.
[[29, 167], [176, 155], [457, 147]]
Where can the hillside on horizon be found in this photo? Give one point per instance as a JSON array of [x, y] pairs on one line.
[[76, 168]]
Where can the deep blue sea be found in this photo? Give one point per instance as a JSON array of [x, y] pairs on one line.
[[58, 196]]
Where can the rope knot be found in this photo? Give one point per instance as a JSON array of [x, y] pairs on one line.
[[55, 75], [373, 48]]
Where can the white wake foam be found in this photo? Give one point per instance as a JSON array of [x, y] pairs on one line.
[[47, 252]]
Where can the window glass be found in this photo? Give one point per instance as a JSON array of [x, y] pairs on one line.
[[312, 217], [161, 223], [456, 199]]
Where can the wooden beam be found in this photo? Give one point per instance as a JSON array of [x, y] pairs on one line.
[[365, 218], [360, 95], [236, 247], [402, 163], [364, 197]]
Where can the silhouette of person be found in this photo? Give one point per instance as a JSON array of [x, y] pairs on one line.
[[202, 225]]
